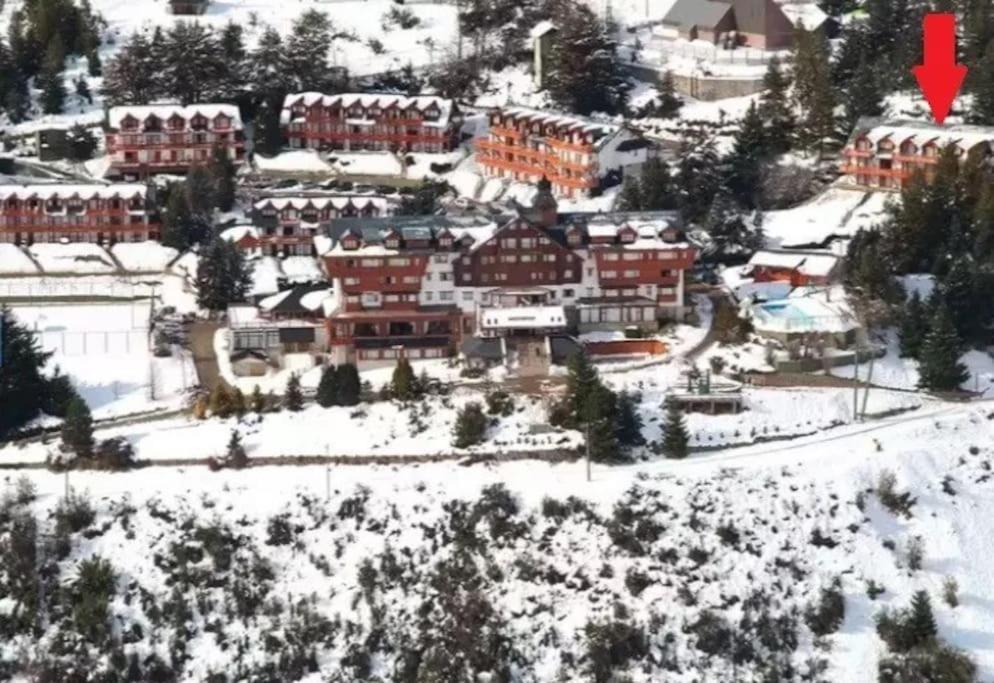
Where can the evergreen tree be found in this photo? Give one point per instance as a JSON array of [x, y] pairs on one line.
[[630, 197], [83, 93], [77, 428], [982, 109], [939, 367], [199, 185], [178, 224], [628, 422], [14, 96], [698, 174], [470, 427], [961, 300], [863, 95], [238, 406], [599, 420], [82, 143], [222, 175], [59, 392], [728, 228], [913, 327], [349, 386], [192, 64], [774, 108], [585, 74], [223, 276], [581, 382], [657, 186], [675, 437], [293, 399], [22, 384], [669, 102], [235, 455], [306, 56], [745, 161], [51, 81], [328, 387], [920, 623], [813, 92], [133, 76], [403, 383], [258, 401]]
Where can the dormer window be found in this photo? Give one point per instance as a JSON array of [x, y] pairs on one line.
[[198, 122], [221, 121], [392, 243], [152, 123], [129, 123], [573, 239], [627, 236], [445, 242], [350, 242]]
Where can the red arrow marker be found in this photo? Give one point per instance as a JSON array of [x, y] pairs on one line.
[[940, 77]]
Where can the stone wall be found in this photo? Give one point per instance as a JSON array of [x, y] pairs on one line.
[[708, 88]]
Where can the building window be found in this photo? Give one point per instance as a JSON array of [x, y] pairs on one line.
[[446, 296], [568, 294], [568, 273], [467, 296], [428, 296]]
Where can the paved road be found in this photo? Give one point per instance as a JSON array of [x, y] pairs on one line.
[[202, 345]]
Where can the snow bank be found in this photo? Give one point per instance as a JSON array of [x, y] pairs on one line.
[[13, 261], [144, 257], [73, 258]]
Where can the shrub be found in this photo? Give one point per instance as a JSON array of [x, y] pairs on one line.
[[717, 364], [916, 553], [73, 513], [611, 646], [279, 530], [714, 635], [115, 453], [899, 503], [950, 591], [90, 595], [470, 427], [826, 615], [933, 662], [499, 403], [636, 581]]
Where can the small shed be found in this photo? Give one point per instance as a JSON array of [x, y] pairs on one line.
[[542, 36], [53, 144]]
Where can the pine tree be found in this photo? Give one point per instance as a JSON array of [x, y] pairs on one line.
[[82, 143], [774, 108], [982, 109], [728, 228], [402, 384], [921, 628], [698, 174], [223, 276], [630, 197], [258, 401], [238, 405], [675, 437], [913, 327], [178, 224], [306, 56], [77, 428], [59, 392], [199, 186], [133, 76], [628, 422], [657, 186], [599, 420], [83, 93], [939, 367], [669, 102], [585, 75], [349, 386], [813, 92], [22, 384], [863, 95], [192, 63], [293, 399], [51, 81], [961, 300], [745, 161], [581, 382], [328, 387], [470, 427], [222, 174], [235, 455]]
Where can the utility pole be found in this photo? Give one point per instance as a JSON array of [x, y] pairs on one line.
[[327, 476], [869, 379], [855, 386]]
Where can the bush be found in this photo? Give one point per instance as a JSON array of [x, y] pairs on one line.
[[950, 591], [470, 427], [73, 513], [933, 662], [825, 616], [717, 364], [91, 593], [714, 634], [899, 503], [499, 403], [279, 530], [916, 553], [611, 646], [115, 453]]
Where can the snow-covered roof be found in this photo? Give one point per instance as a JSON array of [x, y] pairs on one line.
[[921, 133], [803, 262], [541, 28], [64, 191], [380, 202], [383, 101], [243, 314], [166, 111], [804, 14], [523, 317], [570, 122]]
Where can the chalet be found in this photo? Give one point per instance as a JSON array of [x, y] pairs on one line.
[[145, 140], [422, 286], [885, 155], [732, 23], [798, 268], [576, 155], [371, 122], [78, 213]]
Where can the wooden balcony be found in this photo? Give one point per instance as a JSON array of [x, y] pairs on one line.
[[899, 173], [860, 153]]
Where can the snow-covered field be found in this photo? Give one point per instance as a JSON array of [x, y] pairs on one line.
[[754, 531], [104, 349]]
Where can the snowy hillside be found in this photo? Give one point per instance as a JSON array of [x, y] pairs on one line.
[[707, 569]]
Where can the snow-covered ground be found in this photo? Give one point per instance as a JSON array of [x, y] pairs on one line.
[[836, 212], [726, 532], [105, 350]]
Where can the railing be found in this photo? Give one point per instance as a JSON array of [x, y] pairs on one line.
[[565, 181], [878, 172], [60, 228]]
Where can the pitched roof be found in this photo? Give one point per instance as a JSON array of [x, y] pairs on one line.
[[166, 111], [704, 13], [64, 190], [383, 100]]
